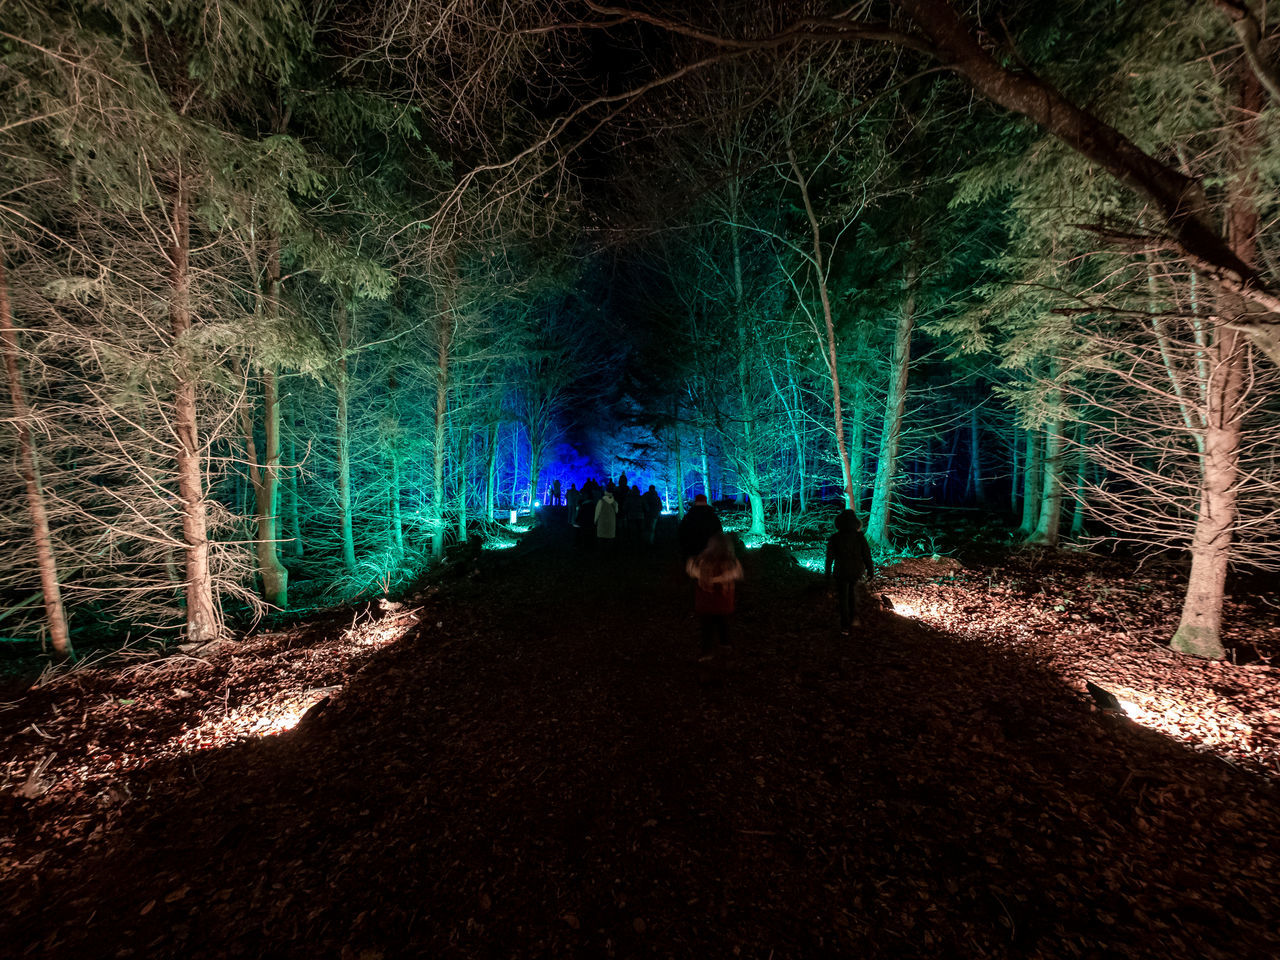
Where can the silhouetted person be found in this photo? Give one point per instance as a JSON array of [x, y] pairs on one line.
[[717, 572], [586, 523], [651, 504], [555, 493], [606, 519], [848, 557], [571, 500], [633, 512], [697, 527]]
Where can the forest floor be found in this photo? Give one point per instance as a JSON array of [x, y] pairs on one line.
[[529, 761]]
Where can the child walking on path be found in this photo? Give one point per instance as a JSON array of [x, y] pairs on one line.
[[716, 570], [849, 554]]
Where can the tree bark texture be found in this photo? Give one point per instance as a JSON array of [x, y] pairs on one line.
[[203, 621], [42, 540], [444, 338], [833, 367], [749, 472], [1032, 481], [1200, 628], [894, 406], [293, 521], [1049, 524]]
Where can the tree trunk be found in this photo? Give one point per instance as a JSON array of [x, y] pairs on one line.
[[704, 468], [1015, 501], [679, 465], [50, 587], [264, 477], [749, 474], [1046, 533], [1200, 629], [444, 334], [535, 463], [492, 435], [343, 386], [894, 406], [264, 474], [829, 348], [1032, 483], [978, 490], [856, 445], [293, 522], [1082, 479], [462, 501], [203, 622], [515, 466]]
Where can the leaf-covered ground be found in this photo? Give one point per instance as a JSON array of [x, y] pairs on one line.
[[530, 762]]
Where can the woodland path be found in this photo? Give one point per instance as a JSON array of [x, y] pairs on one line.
[[542, 769]]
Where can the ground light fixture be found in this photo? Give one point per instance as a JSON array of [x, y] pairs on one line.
[[1104, 698]]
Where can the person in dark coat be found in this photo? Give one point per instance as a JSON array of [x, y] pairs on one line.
[[848, 557], [555, 492], [571, 500], [697, 527], [651, 504], [633, 514], [586, 523]]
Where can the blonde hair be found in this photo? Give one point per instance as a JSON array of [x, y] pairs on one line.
[[717, 563]]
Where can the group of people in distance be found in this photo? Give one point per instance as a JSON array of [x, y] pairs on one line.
[[611, 512], [605, 514], [710, 559]]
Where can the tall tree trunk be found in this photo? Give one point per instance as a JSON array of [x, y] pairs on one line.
[[461, 526], [978, 490], [894, 406], [343, 386], [704, 469], [50, 587], [444, 338], [264, 477], [1200, 628], [1015, 501], [535, 463], [749, 472], [829, 348], [675, 426], [1048, 527], [1032, 482], [1082, 479], [856, 444], [293, 521], [515, 466], [492, 434], [203, 622]]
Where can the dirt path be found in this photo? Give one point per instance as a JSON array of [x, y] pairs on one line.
[[541, 769]]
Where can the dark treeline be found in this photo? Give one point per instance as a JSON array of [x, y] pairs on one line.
[[313, 291]]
